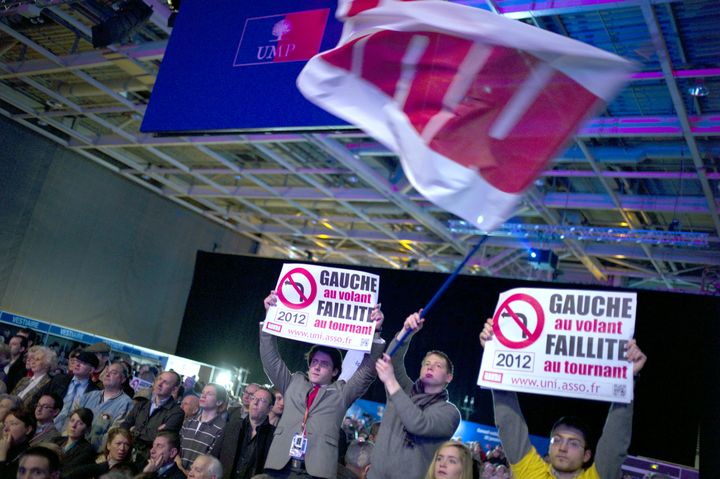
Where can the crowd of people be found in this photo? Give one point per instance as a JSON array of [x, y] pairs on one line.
[[87, 422]]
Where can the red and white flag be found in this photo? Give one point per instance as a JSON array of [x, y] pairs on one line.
[[474, 104]]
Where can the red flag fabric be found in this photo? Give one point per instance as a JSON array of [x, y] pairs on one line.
[[474, 104]]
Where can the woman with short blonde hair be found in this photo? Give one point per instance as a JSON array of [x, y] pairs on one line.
[[40, 361]]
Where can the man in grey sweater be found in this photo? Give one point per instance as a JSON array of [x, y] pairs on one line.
[[418, 416], [571, 447]]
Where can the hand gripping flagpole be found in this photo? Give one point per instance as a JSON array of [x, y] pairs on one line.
[[439, 293]]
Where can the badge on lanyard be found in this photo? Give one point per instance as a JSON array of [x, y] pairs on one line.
[[298, 446]]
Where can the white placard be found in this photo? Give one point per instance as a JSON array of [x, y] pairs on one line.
[[323, 305], [561, 343]]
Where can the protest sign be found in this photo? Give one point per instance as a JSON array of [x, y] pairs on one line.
[[323, 305], [561, 343]]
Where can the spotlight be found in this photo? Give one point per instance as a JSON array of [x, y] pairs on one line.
[[129, 17], [543, 259], [699, 89]]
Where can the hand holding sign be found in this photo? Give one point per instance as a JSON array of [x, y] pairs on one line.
[[635, 356], [487, 333], [271, 300]]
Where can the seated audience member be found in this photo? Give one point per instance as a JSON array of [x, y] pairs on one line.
[[357, 460], [244, 444], [190, 405], [18, 428], [418, 416], [7, 403], [161, 464], [15, 370], [205, 467], [4, 361], [571, 448], [277, 409], [161, 412], [47, 407], [40, 361], [30, 335], [452, 460], [39, 462], [200, 433], [77, 450], [71, 386], [109, 405], [102, 352], [115, 457]]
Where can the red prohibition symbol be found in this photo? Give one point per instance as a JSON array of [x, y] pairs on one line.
[[528, 336], [291, 280]]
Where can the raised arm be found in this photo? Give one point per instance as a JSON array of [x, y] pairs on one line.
[[413, 323], [365, 374], [512, 428], [274, 366], [615, 440]]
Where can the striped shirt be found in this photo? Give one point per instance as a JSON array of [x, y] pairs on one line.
[[199, 437]]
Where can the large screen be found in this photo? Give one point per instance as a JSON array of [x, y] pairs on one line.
[[232, 64]]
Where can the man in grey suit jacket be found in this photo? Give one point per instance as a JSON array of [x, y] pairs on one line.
[[326, 411]]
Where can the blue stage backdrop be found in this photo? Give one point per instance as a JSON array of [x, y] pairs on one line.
[[232, 65]]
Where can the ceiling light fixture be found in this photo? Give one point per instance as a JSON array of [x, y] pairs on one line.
[[699, 89]]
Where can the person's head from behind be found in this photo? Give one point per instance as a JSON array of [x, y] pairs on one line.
[[571, 445], [452, 460], [39, 462], [205, 467], [19, 425], [118, 445], [165, 448], [324, 364], [436, 370], [260, 404], [357, 457]]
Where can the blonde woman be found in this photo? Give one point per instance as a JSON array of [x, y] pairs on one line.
[[452, 460], [40, 361]]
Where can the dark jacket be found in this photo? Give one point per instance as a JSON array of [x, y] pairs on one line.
[[16, 372], [8, 468], [227, 446], [80, 454], [173, 473], [146, 426], [93, 471]]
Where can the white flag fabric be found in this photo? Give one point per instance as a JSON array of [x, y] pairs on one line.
[[474, 104]]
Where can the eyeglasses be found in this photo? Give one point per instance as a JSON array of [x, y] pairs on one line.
[[259, 400], [44, 406], [570, 442]]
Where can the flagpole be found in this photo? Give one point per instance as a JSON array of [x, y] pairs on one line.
[[438, 294]]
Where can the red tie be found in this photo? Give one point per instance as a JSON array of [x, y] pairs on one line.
[[311, 396]]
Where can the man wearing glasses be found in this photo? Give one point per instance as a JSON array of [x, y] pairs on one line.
[[571, 444], [243, 445]]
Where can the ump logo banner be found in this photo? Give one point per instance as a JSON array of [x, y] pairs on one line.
[[289, 37]]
